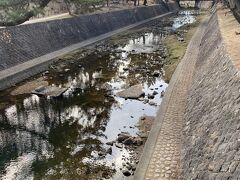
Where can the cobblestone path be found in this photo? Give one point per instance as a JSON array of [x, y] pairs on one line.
[[165, 159]]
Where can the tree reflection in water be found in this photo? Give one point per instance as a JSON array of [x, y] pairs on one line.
[[61, 138]]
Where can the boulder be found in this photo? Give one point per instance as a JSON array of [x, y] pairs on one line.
[[109, 150], [156, 73], [51, 91], [110, 143], [118, 145], [126, 173], [154, 93], [123, 136], [133, 92], [128, 141]]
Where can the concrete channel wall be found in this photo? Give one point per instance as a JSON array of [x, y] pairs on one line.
[[211, 148], [25, 42], [234, 5], [28, 45]]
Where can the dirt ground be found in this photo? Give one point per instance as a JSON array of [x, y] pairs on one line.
[[28, 87], [230, 30], [177, 49], [112, 7]]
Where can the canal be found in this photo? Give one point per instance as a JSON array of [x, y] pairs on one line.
[[82, 133]]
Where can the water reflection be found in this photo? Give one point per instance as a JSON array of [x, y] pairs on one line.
[[185, 17], [146, 43], [79, 82], [62, 138]]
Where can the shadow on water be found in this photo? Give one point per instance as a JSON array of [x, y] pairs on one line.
[[66, 137]]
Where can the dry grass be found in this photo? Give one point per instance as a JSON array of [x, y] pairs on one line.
[[177, 49]]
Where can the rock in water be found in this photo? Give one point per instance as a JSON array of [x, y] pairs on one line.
[[110, 143], [106, 86], [154, 93], [151, 103], [180, 39], [150, 96], [129, 141], [51, 91], [109, 151], [126, 173], [162, 93], [138, 141], [122, 137], [133, 92], [156, 73], [118, 145]]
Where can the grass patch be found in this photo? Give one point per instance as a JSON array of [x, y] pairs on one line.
[[177, 49]]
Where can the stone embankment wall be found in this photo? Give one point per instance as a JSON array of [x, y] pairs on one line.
[[22, 43], [234, 5], [211, 148]]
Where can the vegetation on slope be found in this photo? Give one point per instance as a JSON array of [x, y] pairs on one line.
[[177, 48]]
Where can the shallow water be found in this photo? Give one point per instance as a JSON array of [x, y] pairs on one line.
[[65, 138], [184, 17], [44, 137]]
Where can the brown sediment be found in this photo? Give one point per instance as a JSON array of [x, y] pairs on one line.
[[28, 87]]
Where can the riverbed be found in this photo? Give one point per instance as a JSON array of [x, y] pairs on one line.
[[76, 135]]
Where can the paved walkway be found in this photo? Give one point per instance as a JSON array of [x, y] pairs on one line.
[[161, 156], [112, 7]]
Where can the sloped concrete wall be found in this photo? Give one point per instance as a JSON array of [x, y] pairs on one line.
[[211, 135], [234, 5], [22, 43]]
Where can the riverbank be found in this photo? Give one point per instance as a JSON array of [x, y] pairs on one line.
[[211, 133], [161, 155], [177, 46]]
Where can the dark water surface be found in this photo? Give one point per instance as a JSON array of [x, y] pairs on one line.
[[65, 137]]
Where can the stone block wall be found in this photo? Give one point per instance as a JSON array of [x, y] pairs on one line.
[[23, 43], [211, 148], [234, 5]]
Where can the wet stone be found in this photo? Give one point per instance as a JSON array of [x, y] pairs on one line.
[[128, 141], [180, 39], [143, 135], [101, 153], [126, 173], [145, 101], [154, 93], [162, 93], [106, 86], [123, 136], [150, 96], [118, 145], [151, 103], [109, 150], [156, 73], [133, 92], [51, 91]]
